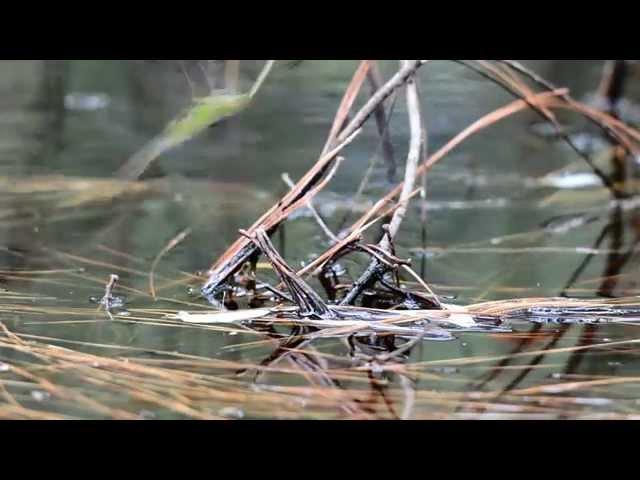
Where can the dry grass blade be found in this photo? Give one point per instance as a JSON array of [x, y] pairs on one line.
[[626, 133], [477, 126], [347, 102], [509, 80], [173, 243], [354, 234], [606, 126]]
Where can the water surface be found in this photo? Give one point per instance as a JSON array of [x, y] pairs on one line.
[[489, 229]]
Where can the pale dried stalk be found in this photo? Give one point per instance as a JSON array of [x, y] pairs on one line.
[[415, 126], [415, 142]]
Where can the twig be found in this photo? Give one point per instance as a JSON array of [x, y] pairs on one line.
[[480, 124], [399, 79], [346, 103], [372, 162], [354, 235], [286, 179], [415, 124], [424, 284], [520, 91], [306, 187], [173, 243], [107, 299], [261, 78], [612, 133], [308, 301]]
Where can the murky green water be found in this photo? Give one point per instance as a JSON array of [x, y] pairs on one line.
[[60, 240]]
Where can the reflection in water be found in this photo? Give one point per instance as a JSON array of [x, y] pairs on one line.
[[610, 89], [378, 357]]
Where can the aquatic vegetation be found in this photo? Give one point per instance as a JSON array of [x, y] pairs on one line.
[[202, 114], [422, 306]]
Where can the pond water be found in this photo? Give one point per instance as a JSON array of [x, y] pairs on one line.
[[494, 225]]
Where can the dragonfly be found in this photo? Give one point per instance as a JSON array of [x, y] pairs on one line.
[[203, 113]]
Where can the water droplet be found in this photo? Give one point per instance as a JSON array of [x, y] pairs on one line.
[[231, 412], [146, 415], [464, 344], [4, 367], [538, 284], [39, 395]]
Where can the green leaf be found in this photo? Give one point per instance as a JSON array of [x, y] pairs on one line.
[[205, 112], [201, 115]]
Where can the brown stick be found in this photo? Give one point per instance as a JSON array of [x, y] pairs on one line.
[[347, 102], [308, 301], [351, 234], [475, 127], [509, 80], [611, 132], [312, 181]]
